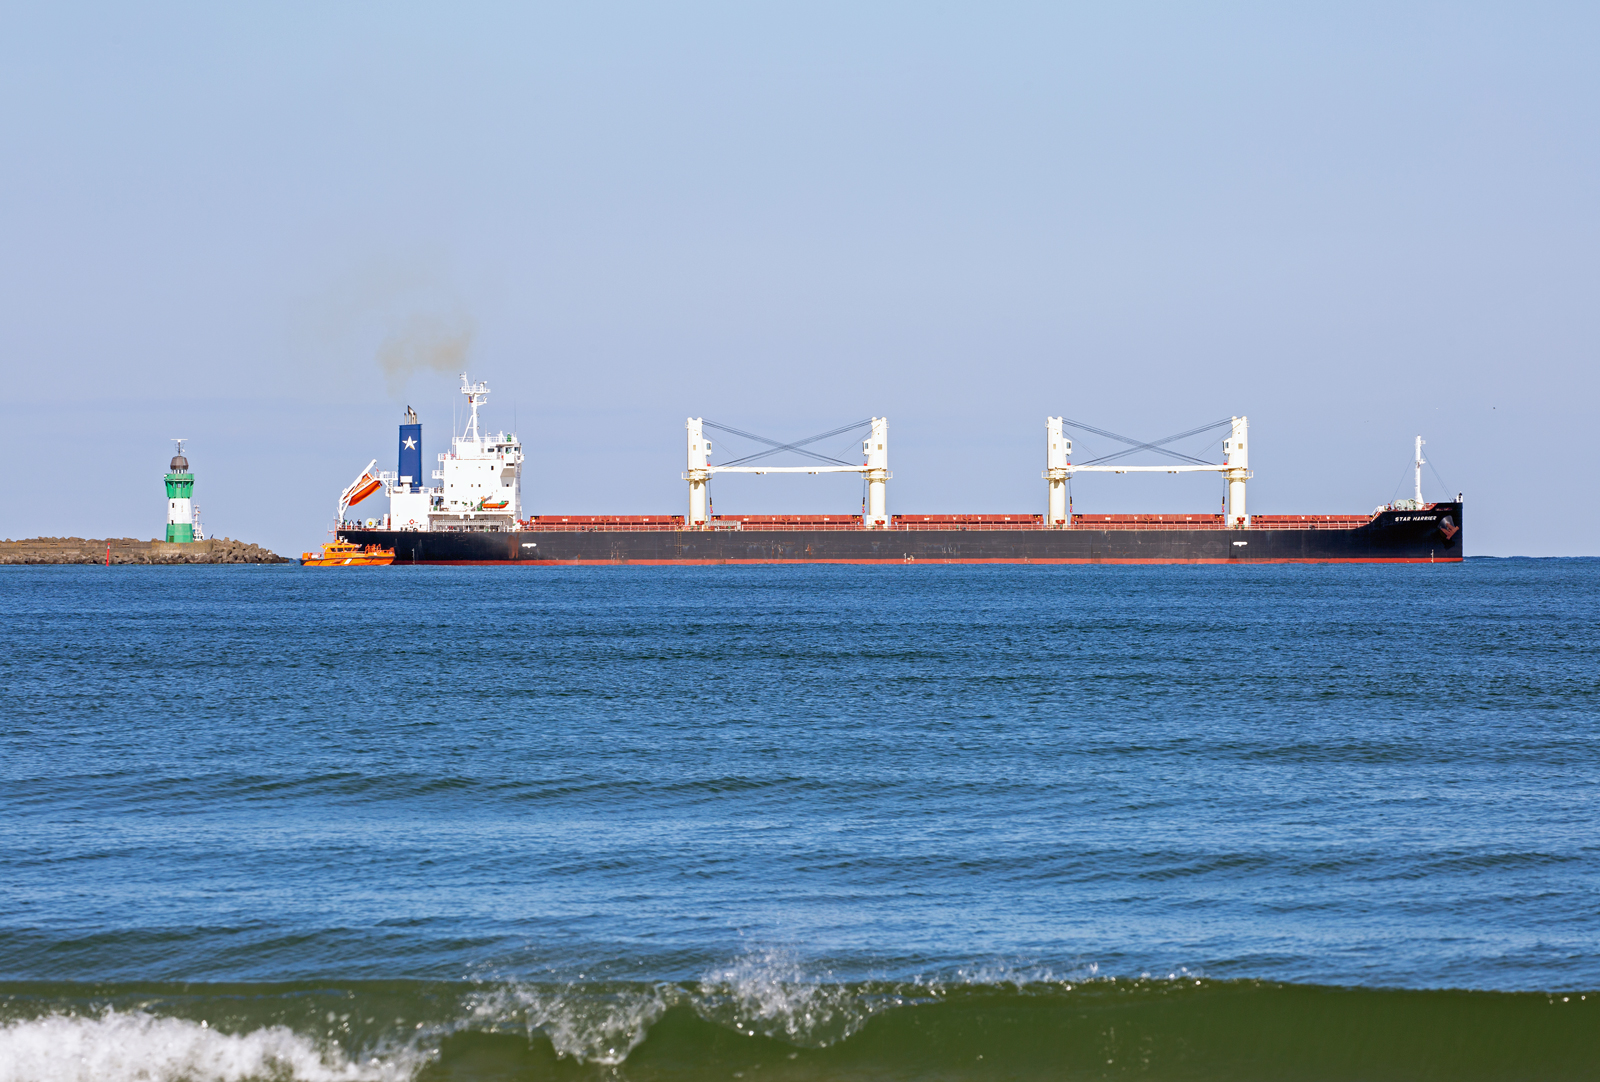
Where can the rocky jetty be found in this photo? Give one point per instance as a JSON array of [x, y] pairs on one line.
[[126, 550]]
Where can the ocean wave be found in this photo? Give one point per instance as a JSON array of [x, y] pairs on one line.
[[765, 1017], [769, 993], [141, 1047]]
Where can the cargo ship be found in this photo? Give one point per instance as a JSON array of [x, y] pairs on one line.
[[474, 514]]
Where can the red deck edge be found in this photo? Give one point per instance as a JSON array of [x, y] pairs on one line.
[[903, 562], [909, 523]]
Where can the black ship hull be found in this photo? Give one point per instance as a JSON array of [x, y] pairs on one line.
[[1432, 535]]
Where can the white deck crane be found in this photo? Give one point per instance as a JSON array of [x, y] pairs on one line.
[[1235, 467], [875, 468], [1058, 466]]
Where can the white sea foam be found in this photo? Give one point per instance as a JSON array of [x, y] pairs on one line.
[[590, 1024], [139, 1047], [766, 992], [771, 993], [1017, 975]]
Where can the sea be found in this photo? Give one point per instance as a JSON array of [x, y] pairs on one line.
[[782, 823]]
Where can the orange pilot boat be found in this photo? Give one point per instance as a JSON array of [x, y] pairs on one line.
[[343, 553]]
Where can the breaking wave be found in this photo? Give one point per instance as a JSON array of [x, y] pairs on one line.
[[142, 1047], [764, 1017]]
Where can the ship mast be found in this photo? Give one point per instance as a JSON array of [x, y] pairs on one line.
[[1421, 462], [477, 394]]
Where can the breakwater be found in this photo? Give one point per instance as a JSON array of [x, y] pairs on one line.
[[127, 550]]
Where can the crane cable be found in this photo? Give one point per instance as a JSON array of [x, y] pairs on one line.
[[1153, 445], [797, 446]]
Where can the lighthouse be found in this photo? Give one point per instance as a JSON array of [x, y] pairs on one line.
[[180, 498]]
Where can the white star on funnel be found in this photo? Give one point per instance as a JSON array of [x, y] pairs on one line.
[[410, 443]]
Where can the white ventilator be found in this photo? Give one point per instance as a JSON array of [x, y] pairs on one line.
[[875, 450], [1235, 469], [1057, 461]]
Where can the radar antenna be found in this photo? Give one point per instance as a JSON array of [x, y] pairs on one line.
[[477, 394]]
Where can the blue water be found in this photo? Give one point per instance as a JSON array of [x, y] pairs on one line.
[[812, 777]]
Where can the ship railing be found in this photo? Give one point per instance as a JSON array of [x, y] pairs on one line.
[[583, 523], [787, 522], [1215, 522], [595, 527], [1135, 522], [1310, 522], [967, 522], [946, 523], [786, 526]]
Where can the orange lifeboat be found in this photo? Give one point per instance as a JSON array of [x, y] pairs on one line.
[[344, 553], [364, 487]]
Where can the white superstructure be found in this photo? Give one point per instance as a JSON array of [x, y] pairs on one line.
[[480, 480]]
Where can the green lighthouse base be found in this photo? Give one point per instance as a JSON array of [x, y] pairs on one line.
[[180, 486]]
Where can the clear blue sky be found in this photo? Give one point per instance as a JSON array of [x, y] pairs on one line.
[[1353, 222]]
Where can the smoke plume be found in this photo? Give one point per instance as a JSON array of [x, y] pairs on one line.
[[425, 343]]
